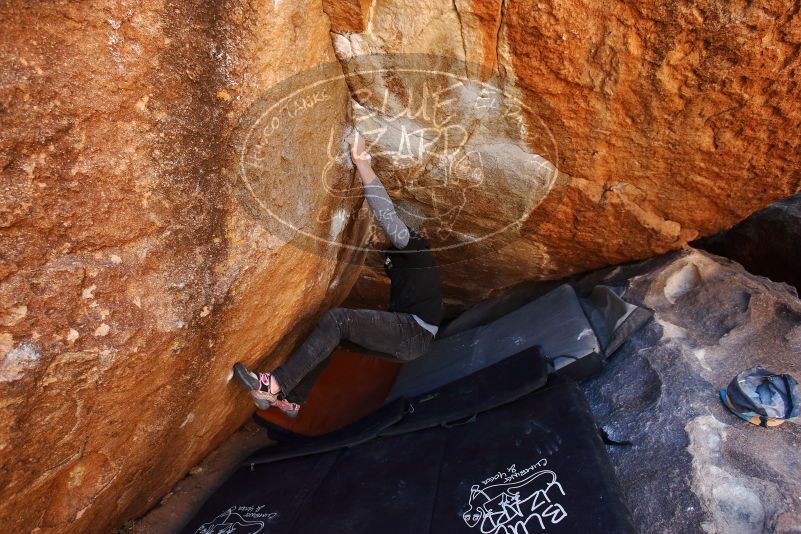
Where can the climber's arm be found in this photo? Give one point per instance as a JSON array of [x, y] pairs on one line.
[[384, 210], [377, 196]]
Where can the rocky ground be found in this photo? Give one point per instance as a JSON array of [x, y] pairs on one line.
[[693, 466]]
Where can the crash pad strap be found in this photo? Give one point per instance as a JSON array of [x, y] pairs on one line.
[[359, 432]]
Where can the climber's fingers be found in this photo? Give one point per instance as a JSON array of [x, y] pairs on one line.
[[356, 142]]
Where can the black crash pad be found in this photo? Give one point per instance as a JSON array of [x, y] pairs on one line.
[[536, 464], [575, 333], [555, 322]]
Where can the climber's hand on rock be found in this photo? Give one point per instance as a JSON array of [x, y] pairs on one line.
[[358, 151], [360, 158]]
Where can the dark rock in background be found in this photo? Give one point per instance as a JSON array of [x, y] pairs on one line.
[[693, 466], [766, 243]]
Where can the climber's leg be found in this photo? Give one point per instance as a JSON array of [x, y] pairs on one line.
[[397, 335], [300, 392]]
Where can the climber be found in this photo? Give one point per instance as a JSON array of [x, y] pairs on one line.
[[401, 334]]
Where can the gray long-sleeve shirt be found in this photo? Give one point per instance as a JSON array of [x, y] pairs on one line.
[[384, 211]]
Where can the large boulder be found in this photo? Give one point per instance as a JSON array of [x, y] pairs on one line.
[[132, 274], [694, 466], [662, 122], [172, 204]]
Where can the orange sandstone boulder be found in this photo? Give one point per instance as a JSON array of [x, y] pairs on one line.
[[664, 122], [174, 199], [131, 275]]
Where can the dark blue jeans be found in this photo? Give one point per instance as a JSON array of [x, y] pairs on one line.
[[396, 336]]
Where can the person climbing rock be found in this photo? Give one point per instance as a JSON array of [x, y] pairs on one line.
[[401, 334]]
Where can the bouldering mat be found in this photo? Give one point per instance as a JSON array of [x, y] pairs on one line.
[[536, 464], [556, 322]]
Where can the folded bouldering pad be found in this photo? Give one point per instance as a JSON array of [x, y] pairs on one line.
[[576, 334]]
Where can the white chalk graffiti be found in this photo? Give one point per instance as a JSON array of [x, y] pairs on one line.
[[524, 499], [239, 520]]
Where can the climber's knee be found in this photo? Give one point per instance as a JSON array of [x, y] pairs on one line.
[[336, 319]]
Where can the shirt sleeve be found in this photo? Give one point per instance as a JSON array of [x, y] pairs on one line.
[[384, 211]]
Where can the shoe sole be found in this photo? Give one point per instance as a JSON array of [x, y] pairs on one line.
[[261, 404], [292, 414], [244, 378]]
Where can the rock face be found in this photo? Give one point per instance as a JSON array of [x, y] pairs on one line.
[[766, 243], [664, 121], [131, 275], [695, 467], [170, 204]]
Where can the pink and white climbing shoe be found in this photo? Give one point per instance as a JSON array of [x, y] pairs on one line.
[[259, 386]]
